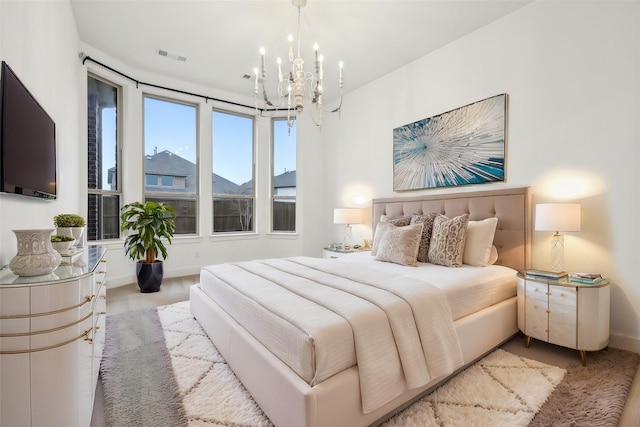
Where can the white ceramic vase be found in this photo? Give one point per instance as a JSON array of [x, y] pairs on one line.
[[35, 254]]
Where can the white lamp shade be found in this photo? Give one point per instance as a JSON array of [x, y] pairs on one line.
[[558, 217], [347, 216]]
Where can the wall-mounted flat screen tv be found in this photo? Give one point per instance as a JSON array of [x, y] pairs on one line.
[[27, 141]]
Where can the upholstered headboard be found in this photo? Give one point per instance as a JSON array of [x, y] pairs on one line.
[[511, 206]]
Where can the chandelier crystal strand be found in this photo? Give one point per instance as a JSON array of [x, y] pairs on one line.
[[296, 87]]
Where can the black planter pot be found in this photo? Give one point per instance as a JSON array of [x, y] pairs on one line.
[[149, 276]]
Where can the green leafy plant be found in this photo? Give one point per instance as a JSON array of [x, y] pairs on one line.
[[68, 220], [57, 238], [150, 222]]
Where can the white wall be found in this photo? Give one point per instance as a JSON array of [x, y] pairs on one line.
[[40, 43], [572, 73]]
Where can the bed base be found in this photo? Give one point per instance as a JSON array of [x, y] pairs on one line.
[[289, 401]]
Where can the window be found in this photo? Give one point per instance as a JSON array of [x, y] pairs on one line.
[[233, 189], [170, 160], [103, 180], [283, 177]]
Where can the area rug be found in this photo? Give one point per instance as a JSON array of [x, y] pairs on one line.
[[161, 362]]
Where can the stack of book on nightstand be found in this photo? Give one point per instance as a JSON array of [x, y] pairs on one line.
[[586, 278], [545, 275]]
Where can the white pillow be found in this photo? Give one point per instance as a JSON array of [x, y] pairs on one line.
[[400, 244], [477, 247], [493, 258]]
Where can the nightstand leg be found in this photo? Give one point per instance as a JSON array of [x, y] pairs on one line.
[[583, 357], [527, 342]]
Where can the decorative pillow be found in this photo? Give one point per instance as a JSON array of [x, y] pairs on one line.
[[447, 240], [427, 221], [400, 221], [477, 246], [493, 258], [400, 244]]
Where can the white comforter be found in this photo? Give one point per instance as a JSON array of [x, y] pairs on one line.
[[402, 327]]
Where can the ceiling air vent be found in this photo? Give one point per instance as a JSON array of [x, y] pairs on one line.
[[170, 55]]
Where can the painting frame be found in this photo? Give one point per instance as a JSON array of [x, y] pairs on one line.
[[463, 146]]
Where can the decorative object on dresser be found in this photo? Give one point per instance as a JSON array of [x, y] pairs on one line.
[[557, 217], [62, 244], [563, 312], [347, 216], [71, 225], [35, 255], [151, 222], [51, 342], [459, 147]]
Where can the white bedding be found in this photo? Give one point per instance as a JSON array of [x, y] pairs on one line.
[[317, 342], [469, 289]]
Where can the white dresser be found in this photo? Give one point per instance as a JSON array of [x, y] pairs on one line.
[[51, 342], [564, 313]]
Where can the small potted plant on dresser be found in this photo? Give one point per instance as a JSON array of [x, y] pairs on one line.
[[71, 225], [150, 222]]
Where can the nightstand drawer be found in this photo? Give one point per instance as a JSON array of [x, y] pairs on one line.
[[537, 328], [562, 314], [563, 334], [562, 295], [537, 291], [536, 308]]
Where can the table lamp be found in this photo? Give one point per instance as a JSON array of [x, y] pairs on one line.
[[557, 217], [347, 216]]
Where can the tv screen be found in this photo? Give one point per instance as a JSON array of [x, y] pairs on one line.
[[27, 141]]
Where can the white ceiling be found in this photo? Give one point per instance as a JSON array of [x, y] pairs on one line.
[[221, 38]]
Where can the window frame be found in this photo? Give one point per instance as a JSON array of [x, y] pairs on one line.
[[273, 196], [118, 193], [173, 195], [252, 196]]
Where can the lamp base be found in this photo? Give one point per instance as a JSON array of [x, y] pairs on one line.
[[557, 253], [348, 238]]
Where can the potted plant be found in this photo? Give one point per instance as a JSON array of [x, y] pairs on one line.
[[150, 222], [61, 243], [71, 225]]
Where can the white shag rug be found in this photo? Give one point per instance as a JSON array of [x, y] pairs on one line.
[[500, 390]]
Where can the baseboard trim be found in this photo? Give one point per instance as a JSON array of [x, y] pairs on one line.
[[625, 342]]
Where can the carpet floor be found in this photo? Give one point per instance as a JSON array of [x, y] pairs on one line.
[[160, 369]]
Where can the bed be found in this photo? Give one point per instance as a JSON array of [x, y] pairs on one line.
[[305, 374]]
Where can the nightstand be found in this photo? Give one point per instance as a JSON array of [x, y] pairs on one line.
[[565, 313], [338, 253]]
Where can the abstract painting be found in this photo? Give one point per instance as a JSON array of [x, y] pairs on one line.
[[459, 147]]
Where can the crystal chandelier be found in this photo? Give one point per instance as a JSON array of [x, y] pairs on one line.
[[297, 87]]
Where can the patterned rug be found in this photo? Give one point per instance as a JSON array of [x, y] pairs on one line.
[[500, 389]]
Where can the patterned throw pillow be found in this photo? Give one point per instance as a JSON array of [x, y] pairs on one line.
[[400, 244], [400, 221], [447, 240], [427, 221]]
